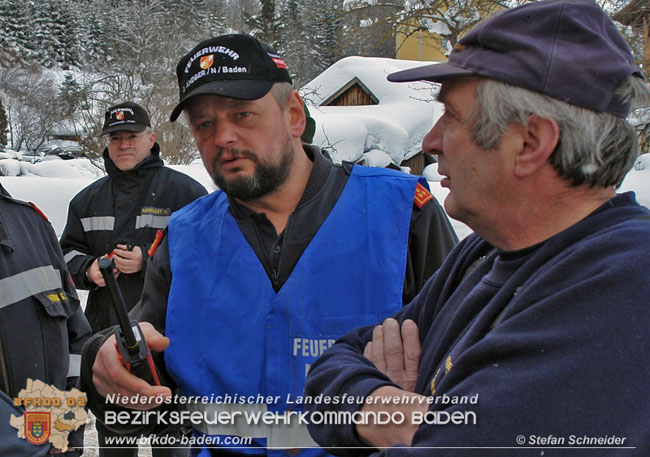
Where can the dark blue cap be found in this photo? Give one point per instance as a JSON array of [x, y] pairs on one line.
[[569, 50]]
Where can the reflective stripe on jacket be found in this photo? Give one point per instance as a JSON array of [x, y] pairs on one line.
[[123, 207]]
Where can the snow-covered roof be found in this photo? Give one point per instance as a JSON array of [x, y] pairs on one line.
[[394, 127]]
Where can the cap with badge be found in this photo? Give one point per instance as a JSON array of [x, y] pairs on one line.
[[125, 116], [235, 66], [569, 50]]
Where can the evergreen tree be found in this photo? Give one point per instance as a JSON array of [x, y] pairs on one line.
[[69, 54], [95, 21], [15, 31], [327, 23], [266, 26], [296, 47], [214, 19], [7, 32], [34, 38], [71, 96]]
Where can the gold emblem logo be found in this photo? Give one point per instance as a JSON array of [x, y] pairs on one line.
[[207, 61]]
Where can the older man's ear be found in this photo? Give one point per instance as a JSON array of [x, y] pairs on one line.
[[540, 136]]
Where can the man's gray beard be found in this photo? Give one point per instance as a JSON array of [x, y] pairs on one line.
[[266, 179]]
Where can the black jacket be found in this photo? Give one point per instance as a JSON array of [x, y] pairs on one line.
[[42, 326], [115, 210]]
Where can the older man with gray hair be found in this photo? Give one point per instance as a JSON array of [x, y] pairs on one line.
[[534, 332]]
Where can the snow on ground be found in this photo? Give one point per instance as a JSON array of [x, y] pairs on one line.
[[51, 185], [51, 195]]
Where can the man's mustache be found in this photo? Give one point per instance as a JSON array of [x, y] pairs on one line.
[[235, 153]]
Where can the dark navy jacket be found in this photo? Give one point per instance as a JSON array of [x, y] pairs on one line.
[[42, 326], [551, 341]]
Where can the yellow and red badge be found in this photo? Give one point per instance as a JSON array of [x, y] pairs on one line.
[[119, 115], [37, 427], [206, 61], [422, 196]]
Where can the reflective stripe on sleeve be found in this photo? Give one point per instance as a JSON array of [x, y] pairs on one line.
[[283, 434], [75, 366], [31, 282], [71, 255], [91, 224], [151, 220]]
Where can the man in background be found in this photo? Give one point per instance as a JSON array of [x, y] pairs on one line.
[[119, 215]]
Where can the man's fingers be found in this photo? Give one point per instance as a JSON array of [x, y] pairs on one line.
[[111, 377], [156, 391], [155, 340], [94, 275], [411, 342], [128, 261], [367, 351], [377, 347], [393, 350], [122, 264]]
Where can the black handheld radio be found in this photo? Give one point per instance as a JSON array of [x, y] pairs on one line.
[[130, 343]]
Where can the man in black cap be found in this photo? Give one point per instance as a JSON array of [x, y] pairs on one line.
[[530, 332], [119, 215], [253, 283]]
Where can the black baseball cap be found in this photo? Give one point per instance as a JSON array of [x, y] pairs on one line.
[[125, 116], [569, 50], [236, 66]]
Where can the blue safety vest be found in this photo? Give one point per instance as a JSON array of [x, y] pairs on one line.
[[236, 340]]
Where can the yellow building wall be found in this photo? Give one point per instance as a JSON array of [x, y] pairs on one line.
[[419, 45]]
